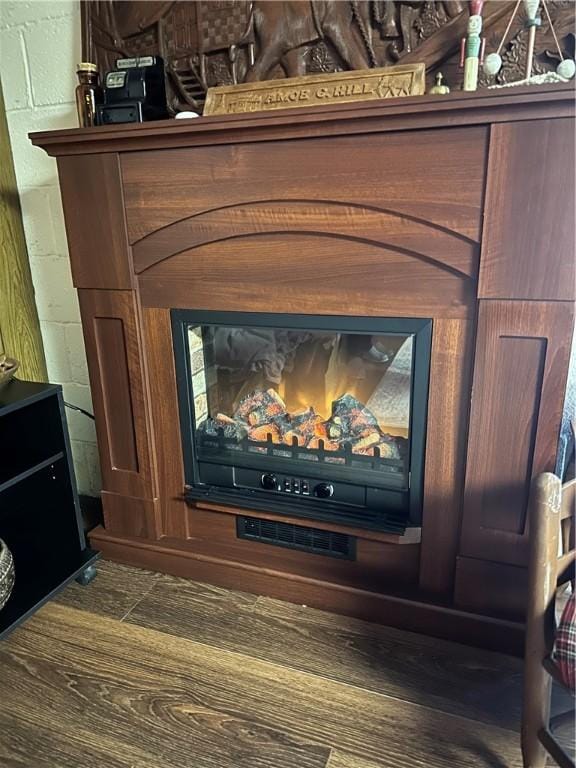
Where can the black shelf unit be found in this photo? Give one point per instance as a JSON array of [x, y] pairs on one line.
[[40, 518]]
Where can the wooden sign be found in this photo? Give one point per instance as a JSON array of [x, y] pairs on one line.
[[315, 90]]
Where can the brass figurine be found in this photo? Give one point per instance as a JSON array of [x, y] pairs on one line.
[[439, 88]]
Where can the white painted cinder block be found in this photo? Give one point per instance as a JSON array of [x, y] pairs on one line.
[[81, 426], [76, 354], [15, 84], [39, 50], [81, 470], [57, 217], [33, 166], [42, 220], [63, 42], [92, 465], [57, 361], [87, 467], [14, 12], [56, 297]]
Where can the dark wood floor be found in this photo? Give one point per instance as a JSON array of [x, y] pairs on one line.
[[141, 670]]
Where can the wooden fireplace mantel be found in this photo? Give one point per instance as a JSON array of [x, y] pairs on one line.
[[416, 112], [458, 209]]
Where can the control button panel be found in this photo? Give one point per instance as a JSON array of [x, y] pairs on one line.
[[269, 481], [324, 490], [295, 485], [297, 491]]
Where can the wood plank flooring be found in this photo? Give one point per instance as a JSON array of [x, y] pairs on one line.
[[142, 670]]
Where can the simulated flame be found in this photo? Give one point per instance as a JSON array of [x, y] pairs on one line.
[[262, 416]]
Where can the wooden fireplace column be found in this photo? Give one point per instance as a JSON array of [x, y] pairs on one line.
[[525, 329], [413, 208]]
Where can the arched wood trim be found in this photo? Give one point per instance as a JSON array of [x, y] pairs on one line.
[[382, 228]]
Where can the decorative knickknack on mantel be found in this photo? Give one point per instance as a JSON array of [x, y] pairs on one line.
[[566, 66], [206, 44]]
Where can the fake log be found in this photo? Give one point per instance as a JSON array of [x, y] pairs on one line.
[[262, 416]]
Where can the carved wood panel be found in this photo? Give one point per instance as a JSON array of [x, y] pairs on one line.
[[218, 42], [356, 223], [308, 273], [518, 393], [111, 332]]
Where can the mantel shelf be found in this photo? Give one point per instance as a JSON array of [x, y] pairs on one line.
[[416, 112]]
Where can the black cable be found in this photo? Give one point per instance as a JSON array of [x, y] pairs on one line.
[[76, 408]]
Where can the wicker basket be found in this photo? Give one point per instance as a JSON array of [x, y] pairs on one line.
[[7, 574]]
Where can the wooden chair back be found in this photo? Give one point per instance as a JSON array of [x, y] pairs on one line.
[[551, 565]]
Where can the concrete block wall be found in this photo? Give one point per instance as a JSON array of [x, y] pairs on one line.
[[39, 50]]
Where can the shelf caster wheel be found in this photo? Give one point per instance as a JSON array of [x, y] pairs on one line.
[[87, 575]]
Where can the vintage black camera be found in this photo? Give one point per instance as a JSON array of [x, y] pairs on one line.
[[134, 92]]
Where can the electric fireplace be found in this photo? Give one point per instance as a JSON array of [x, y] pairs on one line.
[[410, 208], [315, 416]]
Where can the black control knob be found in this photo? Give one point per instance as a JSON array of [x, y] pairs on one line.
[[269, 482], [324, 490]]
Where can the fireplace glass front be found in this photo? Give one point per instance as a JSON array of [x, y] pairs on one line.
[[315, 416]]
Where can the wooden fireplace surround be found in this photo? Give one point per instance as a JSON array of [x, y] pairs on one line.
[[459, 209]]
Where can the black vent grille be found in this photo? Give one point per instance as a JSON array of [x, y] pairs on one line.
[[315, 540]]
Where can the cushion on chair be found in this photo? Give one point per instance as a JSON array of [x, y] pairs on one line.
[[565, 645]]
